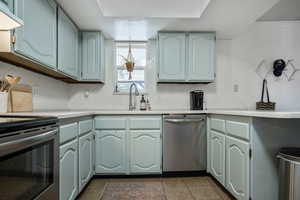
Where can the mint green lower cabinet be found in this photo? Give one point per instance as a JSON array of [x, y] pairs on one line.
[[68, 178], [237, 168], [217, 156], [111, 156], [85, 159], [145, 151]]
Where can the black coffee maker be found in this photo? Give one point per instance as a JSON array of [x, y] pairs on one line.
[[196, 98]]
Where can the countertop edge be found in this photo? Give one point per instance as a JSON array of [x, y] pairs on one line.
[[242, 113]]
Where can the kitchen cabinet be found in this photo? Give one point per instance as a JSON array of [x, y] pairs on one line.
[[85, 159], [172, 58], [201, 57], [128, 144], [229, 154], [237, 168], [68, 171], [37, 39], [145, 151], [217, 156], [68, 45], [92, 56], [111, 152], [186, 57]]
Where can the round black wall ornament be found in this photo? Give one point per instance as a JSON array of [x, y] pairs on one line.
[[278, 67]]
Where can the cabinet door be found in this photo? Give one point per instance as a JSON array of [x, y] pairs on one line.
[[68, 45], [217, 156], [172, 57], [145, 151], [37, 39], [85, 159], [111, 152], [91, 56], [68, 171], [237, 168], [201, 57]]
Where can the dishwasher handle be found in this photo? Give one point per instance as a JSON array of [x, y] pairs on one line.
[[184, 120]]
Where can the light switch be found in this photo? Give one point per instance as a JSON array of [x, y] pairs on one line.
[[235, 88]]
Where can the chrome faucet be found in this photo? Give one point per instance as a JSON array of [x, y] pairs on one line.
[[132, 104]]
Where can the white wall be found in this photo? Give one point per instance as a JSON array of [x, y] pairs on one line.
[[49, 94], [269, 41], [164, 96], [236, 59]]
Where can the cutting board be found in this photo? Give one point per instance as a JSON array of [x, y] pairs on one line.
[[20, 99]]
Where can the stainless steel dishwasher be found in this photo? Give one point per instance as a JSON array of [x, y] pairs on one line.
[[184, 143]]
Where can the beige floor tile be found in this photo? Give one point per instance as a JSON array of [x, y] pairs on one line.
[[175, 189], [204, 193], [189, 188], [197, 182], [94, 190], [220, 191]]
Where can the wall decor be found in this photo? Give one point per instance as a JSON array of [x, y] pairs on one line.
[[278, 68], [129, 62], [262, 105], [290, 70], [263, 70]]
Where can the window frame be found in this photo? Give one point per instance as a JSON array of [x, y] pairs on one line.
[[119, 67]]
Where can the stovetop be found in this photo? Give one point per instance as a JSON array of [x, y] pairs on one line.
[[18, 123]]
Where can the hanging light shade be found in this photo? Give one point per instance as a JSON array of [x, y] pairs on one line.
[[8, 20]]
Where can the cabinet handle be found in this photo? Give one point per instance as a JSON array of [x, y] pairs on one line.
[[184, 120]]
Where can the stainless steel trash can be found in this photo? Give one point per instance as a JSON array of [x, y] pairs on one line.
[[289, 174]]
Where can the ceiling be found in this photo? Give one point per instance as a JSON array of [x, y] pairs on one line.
[[282, 11], [228, 18], [166, 8]]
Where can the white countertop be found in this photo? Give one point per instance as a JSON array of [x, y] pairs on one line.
[[81, 113]]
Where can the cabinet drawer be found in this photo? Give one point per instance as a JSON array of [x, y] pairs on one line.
[[110, 123], [85, 126], [238, 129], [145, 123], [217, 124], [68, 132]]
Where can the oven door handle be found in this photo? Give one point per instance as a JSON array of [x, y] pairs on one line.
[[27, 141], [183, 120]]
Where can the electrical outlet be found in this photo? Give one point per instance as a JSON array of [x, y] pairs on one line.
[[35, 91], [87, 94], [235, 88]]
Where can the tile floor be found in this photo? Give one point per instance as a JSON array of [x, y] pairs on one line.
[[191, 188]]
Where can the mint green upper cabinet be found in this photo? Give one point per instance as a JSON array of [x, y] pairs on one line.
[[111, 152], [68, 45], [172, 49], [37, 39], [145, 153], [92, 65], [201, 57]]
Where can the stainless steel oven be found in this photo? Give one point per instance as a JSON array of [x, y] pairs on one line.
[[29, 164]]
